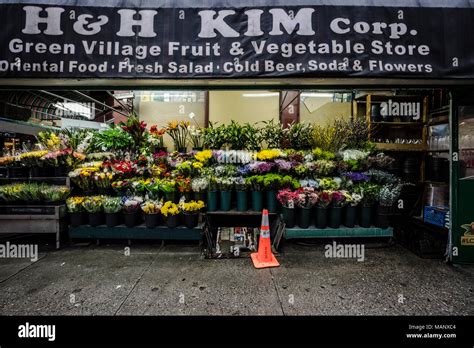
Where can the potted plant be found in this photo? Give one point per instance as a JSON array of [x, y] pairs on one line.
[[387, 197], [212, 194], [322, 209], [131, 210], [369, 193], [241, 188], [170, 211], [225, 186], [76, 210], [112, 208], [93, 205], [307, 198], [335, 213], [196, 136], [191, 212], [199, 186], [255, 182], [178, 131], [352, 201], [287, 199], [152, 210]]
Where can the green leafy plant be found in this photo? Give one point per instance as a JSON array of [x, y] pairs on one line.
[[298, 136], [111, 139], [272, 133], [388, 195]]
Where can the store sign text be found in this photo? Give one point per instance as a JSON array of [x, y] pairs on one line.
[[299, 41]]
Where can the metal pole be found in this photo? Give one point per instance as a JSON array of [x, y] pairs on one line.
[[100, 103]]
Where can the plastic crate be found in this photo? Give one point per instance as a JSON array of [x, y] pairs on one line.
[[436, 215]]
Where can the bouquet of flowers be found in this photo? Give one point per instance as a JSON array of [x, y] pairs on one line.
[[124, 169], [255, 182], [131, 204], [324, 199], [203, 156], [369, 193], [32, 158], [307, 197], [74, 204], [151, 207], [260, 167], [241, 184], [320, 154], [49, 140], [156, 136], [93, 204], [197, 137], [337, 198], [122, 186], [199, 184], [83, 177], [103, 180], [324, 167], [389, 194], [287, 198], [268, 155], [329, 184], [178, 131], [225, 183], [169, 209], [183, 184], [355, 177], [112, 205], [192, 206], [285, 166], [55, 193], [168, 185]]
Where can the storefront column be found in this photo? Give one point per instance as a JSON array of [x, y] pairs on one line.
[[289, 107]]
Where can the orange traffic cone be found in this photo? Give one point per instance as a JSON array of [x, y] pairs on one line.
[[264, 257]]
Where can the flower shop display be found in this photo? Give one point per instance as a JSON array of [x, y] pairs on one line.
[[171, 212], [191, 211], [151, 210], [112, 208], [131, 210], [330, 174], [33, 193], [93, 205]]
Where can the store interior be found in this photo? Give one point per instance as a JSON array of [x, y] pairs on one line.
[[412, 126]]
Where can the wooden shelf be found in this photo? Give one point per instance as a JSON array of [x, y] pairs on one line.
[[400, 147]]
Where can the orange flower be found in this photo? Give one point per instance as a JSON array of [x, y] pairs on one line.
[[173, 125]]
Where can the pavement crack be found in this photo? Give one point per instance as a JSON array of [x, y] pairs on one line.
[[22, 269], [278, 294], [145, 269]]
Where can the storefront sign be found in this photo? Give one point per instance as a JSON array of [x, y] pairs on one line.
[[468, 238], [56, 40]]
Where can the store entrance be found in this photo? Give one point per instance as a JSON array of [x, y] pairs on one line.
[[327, 163]]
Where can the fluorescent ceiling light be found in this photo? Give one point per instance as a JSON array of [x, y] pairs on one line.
[[317, 95], [260, 95]]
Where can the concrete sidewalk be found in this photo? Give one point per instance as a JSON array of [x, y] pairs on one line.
[[174, 280]]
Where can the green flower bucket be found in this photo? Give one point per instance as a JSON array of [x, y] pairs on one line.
[[304, 217], [211, 200], [257, 201], [225, 200], [242, 201], [271, 201], [289, 217]]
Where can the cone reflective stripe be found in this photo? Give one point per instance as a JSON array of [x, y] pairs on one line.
[[264, 257]]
